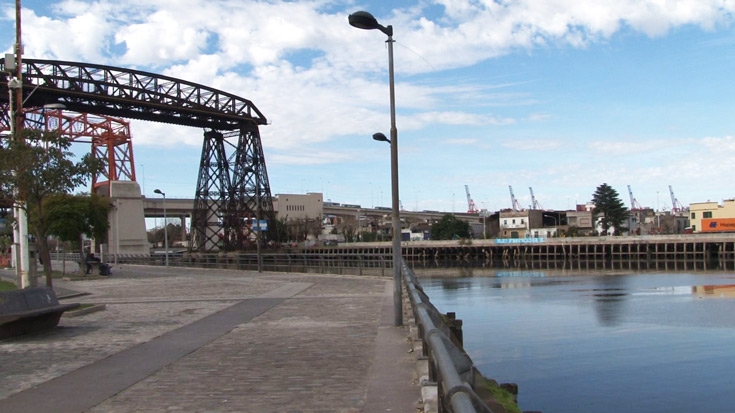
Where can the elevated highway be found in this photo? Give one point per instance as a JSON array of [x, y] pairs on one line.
[[183, 207]]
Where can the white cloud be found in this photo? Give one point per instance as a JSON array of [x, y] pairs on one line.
[[318, 80], [311, 158], [719, 145], [162, 38], [80, 37], [462, 141], [623, 148], [531, 145]]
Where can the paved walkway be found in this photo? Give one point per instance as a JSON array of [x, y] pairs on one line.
[[192, 340]]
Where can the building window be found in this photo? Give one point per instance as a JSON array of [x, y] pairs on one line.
[[707, 214], [694, 215]]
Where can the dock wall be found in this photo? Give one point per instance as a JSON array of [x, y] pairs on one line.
[[655, 252]]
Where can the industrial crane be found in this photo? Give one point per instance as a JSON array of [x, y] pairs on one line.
[[516, 205], [634, 205], [471, 207], [534, 202], [676, 206]]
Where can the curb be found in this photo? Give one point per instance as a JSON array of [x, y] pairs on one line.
[[84, 311]]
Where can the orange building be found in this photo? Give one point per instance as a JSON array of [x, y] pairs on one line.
[[712, 217]]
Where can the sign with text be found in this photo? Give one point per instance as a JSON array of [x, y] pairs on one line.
[[261, 225], [718, 225], [519, 240]]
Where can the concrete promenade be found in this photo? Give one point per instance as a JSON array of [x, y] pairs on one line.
[[206, 341]]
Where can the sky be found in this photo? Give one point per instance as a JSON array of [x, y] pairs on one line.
[[556, 95]]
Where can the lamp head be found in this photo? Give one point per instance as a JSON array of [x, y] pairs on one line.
[[55, 105], [366, 21], [379, 136], [14, 83], [159, 192]]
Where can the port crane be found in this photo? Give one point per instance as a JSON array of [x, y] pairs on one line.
[[534, 202], [516, 205], [676, 206], [634, 205], [471, 207]]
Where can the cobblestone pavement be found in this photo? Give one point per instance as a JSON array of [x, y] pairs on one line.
[[309, 349]]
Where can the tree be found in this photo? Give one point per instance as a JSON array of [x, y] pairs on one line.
[[367, 236], [158, 235], [348, 227], [281, 229], [610, 209], [450, 227], [69, 217], [36, 167]]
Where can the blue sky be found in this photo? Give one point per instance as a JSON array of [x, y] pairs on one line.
[[558, 95]]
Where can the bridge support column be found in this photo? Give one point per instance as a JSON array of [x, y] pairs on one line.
[[233, 193], [183, 227], [127, 235]]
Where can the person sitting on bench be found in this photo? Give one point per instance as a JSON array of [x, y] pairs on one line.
[[91, 259]]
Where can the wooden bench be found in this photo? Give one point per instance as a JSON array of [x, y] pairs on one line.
[[30, 309]]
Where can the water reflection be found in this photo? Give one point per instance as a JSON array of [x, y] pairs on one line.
[[520, 273], [714, 291], [577, 265], [584, 342], [455, 284], [610, 297]]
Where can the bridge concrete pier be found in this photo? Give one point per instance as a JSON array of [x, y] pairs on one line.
[[127, 235]]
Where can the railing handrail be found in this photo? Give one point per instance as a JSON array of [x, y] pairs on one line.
[[458, 393]]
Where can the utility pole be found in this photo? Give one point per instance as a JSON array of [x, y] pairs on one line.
[[15, 90]]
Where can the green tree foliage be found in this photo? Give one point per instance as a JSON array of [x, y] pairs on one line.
[[367, 236], [37, 167], [609, 208], [280, 228], [450, 227], [71, 216]]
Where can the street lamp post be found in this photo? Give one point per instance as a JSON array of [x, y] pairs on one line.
[[556, 222], [366, 21], [15, 90], [165, 227], [484, 223]]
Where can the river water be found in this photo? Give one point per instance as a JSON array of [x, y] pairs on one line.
[[597, 342]]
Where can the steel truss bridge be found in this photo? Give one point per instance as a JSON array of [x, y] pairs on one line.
[[232, 190]]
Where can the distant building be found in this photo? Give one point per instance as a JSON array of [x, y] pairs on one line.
[[296, 206], [514, 224], [712, 217], [579, 222], [642, 221]]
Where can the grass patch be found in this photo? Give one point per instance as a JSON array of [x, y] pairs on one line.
[[7, 286], [485, 386]]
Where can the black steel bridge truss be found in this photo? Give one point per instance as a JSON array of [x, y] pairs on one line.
[[233, 193]]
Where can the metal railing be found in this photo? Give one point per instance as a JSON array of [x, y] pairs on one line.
[[449, 366], [354, 264]]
